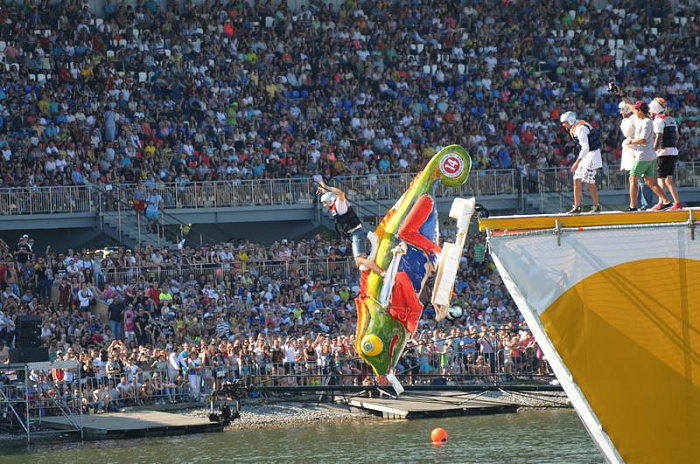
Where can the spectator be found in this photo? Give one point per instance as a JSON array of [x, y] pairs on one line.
[[116, 316], [428, 71], [4, 352]]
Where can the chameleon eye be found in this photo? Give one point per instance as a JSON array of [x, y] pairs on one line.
[[372, 345]]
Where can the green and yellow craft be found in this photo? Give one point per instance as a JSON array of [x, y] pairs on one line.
[[408, 250]]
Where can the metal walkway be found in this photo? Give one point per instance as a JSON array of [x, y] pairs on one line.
[[414, 405]]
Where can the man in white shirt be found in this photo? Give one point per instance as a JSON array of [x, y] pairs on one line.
[[588, 161], [124, 388], [174, 365], [226, 257], [627, 126], [644, 156]]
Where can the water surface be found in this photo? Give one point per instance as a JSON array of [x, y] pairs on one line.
[[547, 436]]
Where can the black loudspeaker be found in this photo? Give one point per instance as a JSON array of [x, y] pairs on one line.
[[28, 332], [29, 338], [28, 342], [28, 321], [29, 355]]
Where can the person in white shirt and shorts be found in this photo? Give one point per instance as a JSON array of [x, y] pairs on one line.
[[589, 159], [666, 146]]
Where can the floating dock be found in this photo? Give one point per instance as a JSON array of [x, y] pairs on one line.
[[413, 405], [133, 424]]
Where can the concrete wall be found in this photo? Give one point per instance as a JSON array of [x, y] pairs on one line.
[[60, 241]]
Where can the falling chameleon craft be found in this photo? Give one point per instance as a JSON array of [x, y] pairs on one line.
[[406, 245]]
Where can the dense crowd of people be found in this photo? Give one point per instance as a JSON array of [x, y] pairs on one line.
[[244, 90], [176, 328], [233, 89]]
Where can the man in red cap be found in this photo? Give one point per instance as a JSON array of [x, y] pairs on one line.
[[666, 145], [644, 156]]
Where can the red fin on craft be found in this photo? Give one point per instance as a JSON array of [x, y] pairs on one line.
[[405, 305], [410, 230]]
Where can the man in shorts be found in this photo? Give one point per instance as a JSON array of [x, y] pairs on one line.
[[666, 146], [589, 160], [644, 157], [347, 221]]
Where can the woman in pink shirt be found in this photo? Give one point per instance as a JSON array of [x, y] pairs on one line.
[[130, 323]]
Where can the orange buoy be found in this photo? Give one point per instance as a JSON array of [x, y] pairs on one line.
[[438, 435]]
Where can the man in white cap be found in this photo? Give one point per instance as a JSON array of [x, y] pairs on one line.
[[644, 153], [589, 159], [666, 146], [347, 221], [644, 156]]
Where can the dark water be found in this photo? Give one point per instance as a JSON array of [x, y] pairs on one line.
[[551, 436]]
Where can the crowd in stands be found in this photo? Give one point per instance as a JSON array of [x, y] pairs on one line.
[[178, 326], [229, 90]]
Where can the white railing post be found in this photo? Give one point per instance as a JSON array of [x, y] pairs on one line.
[[138, 224], [119, 219]]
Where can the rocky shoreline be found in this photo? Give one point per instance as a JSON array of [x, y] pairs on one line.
[[532, 400], [285, 412], [275, 412]]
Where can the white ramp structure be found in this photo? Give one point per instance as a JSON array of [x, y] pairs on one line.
[[462, 211]]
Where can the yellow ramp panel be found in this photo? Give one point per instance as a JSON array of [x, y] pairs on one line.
[[610, 218], [630, 336]]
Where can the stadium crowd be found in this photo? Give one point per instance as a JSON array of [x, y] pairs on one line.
[[173, 329], [234, 90], [244, 90]]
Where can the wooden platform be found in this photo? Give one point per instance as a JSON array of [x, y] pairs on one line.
[[606, 218], [134, 424], [413, 405]]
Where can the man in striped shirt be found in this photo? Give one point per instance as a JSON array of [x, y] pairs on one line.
[[223, 328]]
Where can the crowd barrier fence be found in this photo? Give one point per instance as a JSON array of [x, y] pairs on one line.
[[279, 192]]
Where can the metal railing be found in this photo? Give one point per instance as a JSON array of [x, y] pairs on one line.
[[29, 395], [279, 192], [47, 200], [309, 266], [552, 180], [217, 194]]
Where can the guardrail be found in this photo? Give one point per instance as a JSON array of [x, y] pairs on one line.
[[312, 266], [218, 194], [47, 200], [59, 390], [552, 180], [279, 192]]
